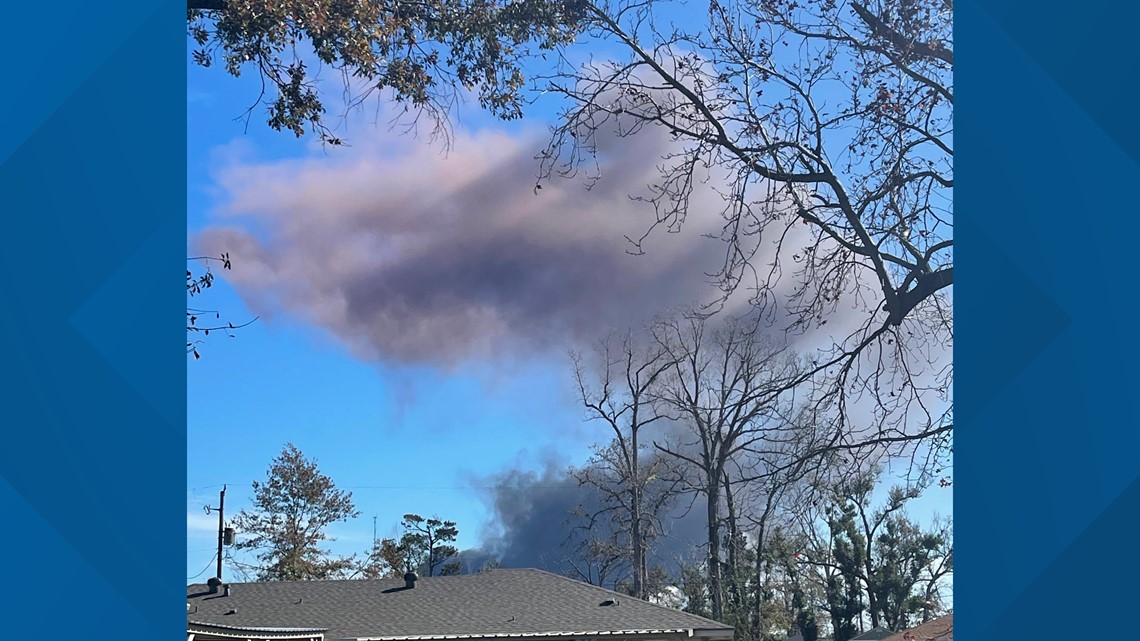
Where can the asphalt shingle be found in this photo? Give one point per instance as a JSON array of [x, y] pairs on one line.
[[497, 602]]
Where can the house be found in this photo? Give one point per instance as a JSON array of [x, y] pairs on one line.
[[497, 604], [940, 629]]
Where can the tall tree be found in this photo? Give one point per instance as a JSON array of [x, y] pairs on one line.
[[635, 486], [427, 545], [293, 508], [779, 480], [723, 386], [424, 54], [845, 579], [790, 598], [831, 123]]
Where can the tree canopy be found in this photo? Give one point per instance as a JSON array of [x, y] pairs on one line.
[[426, 547], [424, 53], [293, 509], [427, 544]]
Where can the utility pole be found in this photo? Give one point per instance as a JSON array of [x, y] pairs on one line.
[[221, 526]]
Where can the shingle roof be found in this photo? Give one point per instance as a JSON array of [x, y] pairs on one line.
[[497, 602], [940, 628]]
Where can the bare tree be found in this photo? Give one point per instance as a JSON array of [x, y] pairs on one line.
[[635, 486], [771, 494], [724, 388], [828, 125], [763, 489], [595, 557]]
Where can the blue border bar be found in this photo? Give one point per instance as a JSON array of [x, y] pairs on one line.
[[92, 470]]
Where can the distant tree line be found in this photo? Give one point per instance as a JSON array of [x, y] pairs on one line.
[[292, 511]]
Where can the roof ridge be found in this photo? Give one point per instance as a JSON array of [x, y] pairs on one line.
[[306, 581]]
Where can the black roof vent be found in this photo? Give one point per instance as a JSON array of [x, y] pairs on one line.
[[410, 580], [609, 602], [214, 584]]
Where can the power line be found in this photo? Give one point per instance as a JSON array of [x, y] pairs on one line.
[[212, 559], [239, 567], [205, 487]]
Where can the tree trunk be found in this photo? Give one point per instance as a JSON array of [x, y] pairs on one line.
[[712, 490], [928, 603], [636, 534], [732, 587], [872, 597], [757, 613]]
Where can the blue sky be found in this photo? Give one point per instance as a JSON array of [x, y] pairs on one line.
[[407, 425]]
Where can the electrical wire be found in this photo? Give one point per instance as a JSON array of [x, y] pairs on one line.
[[212, 559], [238, 566]]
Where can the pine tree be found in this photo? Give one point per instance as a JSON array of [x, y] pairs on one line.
[[293, 509]]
